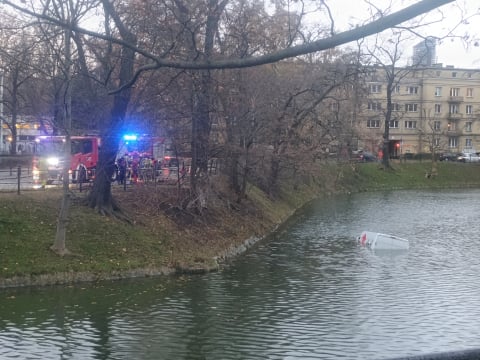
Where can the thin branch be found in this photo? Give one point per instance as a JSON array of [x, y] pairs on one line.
[[332, 22], [371, 28]]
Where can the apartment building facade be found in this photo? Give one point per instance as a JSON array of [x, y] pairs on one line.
[[432, 107]]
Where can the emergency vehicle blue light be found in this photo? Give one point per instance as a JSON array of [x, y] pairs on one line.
[[130, 137]]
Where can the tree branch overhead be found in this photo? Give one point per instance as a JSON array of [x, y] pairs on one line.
[[334, 40]]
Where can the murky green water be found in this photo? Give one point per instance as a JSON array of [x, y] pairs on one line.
[[309, 292]]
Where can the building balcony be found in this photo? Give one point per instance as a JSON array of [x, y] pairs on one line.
[[454, 132], [455, 99], [455, 116]]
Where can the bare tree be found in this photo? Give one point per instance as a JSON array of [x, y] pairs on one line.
[[387, 55], [59, 245], [207, 59], [434, 136], [70, 12], [304, 120], [16, 53]]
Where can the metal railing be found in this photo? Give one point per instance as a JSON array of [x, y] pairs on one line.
[[18, 178], [15, 179]]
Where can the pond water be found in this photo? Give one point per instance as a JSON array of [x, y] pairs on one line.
[[308, 292]]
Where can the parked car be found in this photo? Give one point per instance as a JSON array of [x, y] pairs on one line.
[[448, 157], [363, 156], [469, 157]]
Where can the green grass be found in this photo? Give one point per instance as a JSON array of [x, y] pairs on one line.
[[97, 243], [102, 245], [372, 176]]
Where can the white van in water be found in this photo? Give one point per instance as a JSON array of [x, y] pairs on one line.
[[379, 241]]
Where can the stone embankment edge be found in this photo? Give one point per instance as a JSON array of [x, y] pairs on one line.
[[73, 277], [78, 277], [65, 278]]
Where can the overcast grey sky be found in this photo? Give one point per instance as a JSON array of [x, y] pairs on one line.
[[450, 51]]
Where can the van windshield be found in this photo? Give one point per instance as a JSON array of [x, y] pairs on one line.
[[56, 146], [50, 147], [141, 146]]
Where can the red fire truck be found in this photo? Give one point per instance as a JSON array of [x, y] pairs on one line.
[[48, 160], [144, 157], [144, 146], [140, 156], [148, 158]]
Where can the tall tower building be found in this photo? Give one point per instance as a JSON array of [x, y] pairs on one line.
[[424, 52]]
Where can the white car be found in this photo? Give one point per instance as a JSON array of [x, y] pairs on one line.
[[469, 157]]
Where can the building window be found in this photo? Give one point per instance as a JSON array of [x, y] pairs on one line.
[[396, 89], [438, 108], [468, 126], [469, 109], [454, 74], [454, 91], [436, 142], [375, 88], [393, 124], [334, 107], [468, 143], [436, 125], [374, 106], [452, 142], [412, 90], [438, 91], [409, 124], [453, 109], [396, 107], [469, 92], [452, 126], [371, 123], [411, 107]]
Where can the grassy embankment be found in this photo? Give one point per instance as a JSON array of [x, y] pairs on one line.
[[103, 247]]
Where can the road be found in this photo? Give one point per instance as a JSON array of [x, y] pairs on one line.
[[9, 179]]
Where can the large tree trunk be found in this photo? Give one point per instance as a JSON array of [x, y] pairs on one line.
[[386, 133], [201, 122], [388, 117], [200, 142], [100, 198]]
